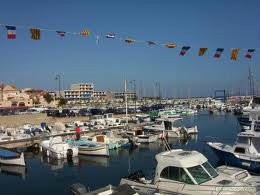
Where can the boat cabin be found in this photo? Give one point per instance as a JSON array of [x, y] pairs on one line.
[[247, 143], [189, 167]]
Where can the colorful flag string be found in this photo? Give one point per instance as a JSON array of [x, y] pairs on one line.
[[36, 34]]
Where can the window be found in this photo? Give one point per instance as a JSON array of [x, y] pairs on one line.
[[210, 169], [176, 174], [199, 174], [240, 150], [242, 140]]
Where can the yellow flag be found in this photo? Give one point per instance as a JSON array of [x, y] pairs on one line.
[[234, 54], [85, 32], [35, 33], [202, 51]]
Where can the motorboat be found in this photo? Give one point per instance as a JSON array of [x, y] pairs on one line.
[[245, 153], [55, 147], [111, 140], [147, 138], [166, 128], [88, 147], [188, 173], [11, 157]]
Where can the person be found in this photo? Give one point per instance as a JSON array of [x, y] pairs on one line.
[[77, 129]]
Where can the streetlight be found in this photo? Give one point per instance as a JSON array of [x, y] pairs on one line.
[[57, 77]]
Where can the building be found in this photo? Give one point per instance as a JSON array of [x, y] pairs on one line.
[[121, 95], [99, 94], [12, 97], [79, 92]]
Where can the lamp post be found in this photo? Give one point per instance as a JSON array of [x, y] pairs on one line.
[[57, 77]]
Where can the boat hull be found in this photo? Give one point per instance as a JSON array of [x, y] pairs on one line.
[[232, 159], [94, 151], [19, 160]]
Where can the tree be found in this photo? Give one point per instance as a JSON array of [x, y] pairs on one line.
[[62, 102], [48, 98]]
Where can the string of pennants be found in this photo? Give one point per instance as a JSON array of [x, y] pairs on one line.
[[36, 35]]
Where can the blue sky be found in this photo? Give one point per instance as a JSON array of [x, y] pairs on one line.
[[201, 23]]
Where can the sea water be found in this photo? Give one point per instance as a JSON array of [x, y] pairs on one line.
[[44, 176]]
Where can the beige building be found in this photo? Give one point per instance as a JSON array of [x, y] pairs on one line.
[[79, 92], [10, 96]]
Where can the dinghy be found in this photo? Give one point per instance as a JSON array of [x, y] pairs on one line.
[[11, 157]]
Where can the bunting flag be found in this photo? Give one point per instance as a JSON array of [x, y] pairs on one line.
[[35, 33], [61, 33], [234, 54], [184, 50], [128, 40], [171, 45], [11, 32], [218, 52], [249, 53], [85, 32], [151, 43], [110, 35], [202, 51]]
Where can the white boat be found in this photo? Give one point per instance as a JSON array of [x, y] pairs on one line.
[[10, 157], [166, 128], [55, 147], [110, 139], [245, 152], [87, 147], [188, 173], [147, 138]]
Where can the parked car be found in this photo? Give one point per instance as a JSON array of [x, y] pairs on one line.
[[84, 112]]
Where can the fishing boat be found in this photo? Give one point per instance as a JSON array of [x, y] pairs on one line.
[[165, 128], [245, 153], [189, 173], [87, 147], [11, 157], [55, 147]]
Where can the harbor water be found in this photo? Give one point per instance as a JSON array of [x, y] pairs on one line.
[[44, 176]]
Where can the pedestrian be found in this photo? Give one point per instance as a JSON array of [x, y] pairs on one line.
[[77, 129]]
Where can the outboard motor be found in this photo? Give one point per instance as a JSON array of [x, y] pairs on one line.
[[70, 155]]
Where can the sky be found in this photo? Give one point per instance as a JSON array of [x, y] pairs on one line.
[[202, 23]]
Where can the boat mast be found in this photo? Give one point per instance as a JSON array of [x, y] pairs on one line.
[[126, 114]]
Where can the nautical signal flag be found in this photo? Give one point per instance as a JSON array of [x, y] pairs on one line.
[[218, 52], [184, 50], [110, 35], [234, 54], [35, 33], [249, 53], [11, 32], [128, 40], [85, 32], [61, 33], [151, 43], [170, 45], [202, 51]]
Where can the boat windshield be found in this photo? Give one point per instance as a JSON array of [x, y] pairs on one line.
[[210, 169], [199, 174], [242, 140]]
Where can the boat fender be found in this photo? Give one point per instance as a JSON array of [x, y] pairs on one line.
[[36, 145]]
